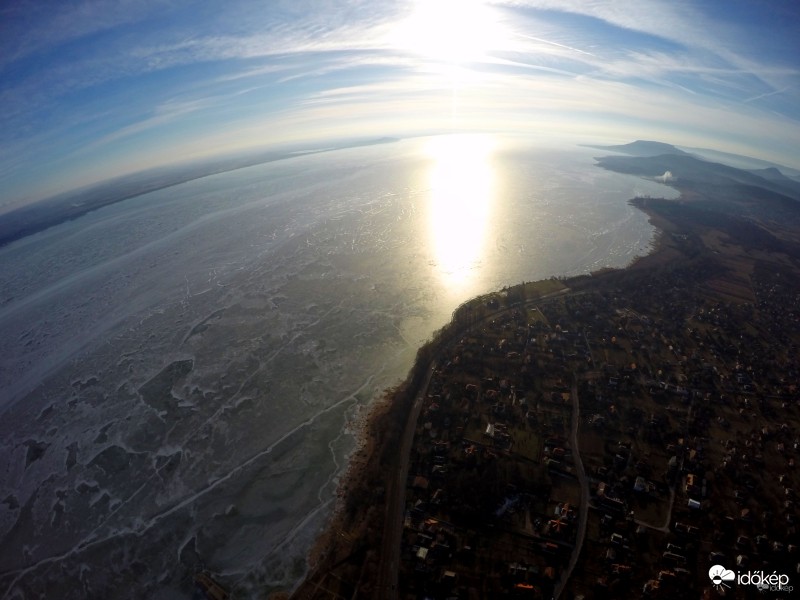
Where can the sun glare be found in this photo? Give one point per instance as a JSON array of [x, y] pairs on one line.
[[451, 32], [461, 192]]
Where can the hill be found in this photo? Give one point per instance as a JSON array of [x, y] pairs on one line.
[[739, 161], [644, 148], [719, 188], [774, 175]]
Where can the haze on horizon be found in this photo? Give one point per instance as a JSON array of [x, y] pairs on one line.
[[92, 90]]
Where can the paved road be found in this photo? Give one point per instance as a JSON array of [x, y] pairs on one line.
[[583, 511], [395, 503], [386, 588]]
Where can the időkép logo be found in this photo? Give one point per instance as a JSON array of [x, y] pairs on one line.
[[722, 578]]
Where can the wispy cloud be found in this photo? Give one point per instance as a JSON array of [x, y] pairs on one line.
[[767, 94], [558, 45], [706, 38], [29, 28], [82, 81]]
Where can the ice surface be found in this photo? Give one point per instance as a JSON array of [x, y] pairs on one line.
[[178, 371]]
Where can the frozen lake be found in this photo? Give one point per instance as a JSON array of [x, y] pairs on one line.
[[179, 372]]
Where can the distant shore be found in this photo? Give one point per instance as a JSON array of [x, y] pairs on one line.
[[23, 221], [679, 249], [348, 529], [366, 471]]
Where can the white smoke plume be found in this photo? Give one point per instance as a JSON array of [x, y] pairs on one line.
[[667, 176]]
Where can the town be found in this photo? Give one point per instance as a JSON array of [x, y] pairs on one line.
[[687, 435], [626, 434]]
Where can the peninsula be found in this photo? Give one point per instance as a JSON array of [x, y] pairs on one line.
[[603, 436]]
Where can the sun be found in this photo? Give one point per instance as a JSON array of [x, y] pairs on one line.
[[452, 32]]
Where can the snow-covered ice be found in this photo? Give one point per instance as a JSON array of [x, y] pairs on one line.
[[178, 371]]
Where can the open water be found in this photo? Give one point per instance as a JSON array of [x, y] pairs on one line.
[[180, 372]]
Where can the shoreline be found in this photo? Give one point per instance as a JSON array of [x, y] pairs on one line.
[[364, 434], [342, 531], [709, 239]]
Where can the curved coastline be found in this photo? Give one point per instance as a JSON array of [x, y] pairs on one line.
[[726, 243], [354, 528]]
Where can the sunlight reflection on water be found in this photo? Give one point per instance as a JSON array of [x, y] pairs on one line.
[[462, 189]]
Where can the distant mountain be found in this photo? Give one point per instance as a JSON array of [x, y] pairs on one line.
[[789, 185], [770, 173], [775, 174], [763, 196], [740, 162], [688, 169], [643, 148]]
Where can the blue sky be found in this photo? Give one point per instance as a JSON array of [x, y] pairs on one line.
[[94, 89]]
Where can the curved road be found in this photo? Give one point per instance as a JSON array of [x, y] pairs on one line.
[[583, 511], [386, 588], [395, 502]]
